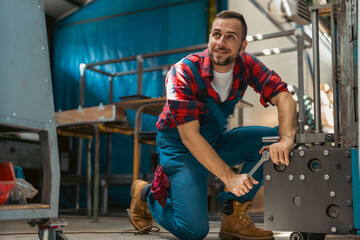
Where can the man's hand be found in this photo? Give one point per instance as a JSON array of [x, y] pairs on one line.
[[240, 184], [279, 152]]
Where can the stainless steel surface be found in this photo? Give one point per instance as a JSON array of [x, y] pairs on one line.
[[316, 69], [26, 99], [300, 60]]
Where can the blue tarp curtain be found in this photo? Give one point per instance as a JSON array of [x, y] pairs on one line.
[[108, 29]]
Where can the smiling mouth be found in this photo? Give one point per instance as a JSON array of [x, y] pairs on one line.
[[218, 51]]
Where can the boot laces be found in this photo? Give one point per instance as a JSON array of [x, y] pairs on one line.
[[243, 214]]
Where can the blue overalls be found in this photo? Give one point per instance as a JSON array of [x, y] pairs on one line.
[[185, 214]]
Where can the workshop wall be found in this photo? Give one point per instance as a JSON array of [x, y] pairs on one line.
[[108, 29]]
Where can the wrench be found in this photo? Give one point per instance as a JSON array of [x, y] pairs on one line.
[[265, 157]]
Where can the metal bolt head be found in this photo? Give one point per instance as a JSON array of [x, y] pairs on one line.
[[50, 121], [291, 177], [332, 194], [326, 152], [326, 177], [302, 153], [291, 153], [333, 229], [302, 177], [14, 114], [268, 177], [270, 218], [348, 178], [350, 228], [347, 154], [349, 203]]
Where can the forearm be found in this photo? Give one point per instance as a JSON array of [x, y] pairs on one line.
[[203, 151], [286, 106]]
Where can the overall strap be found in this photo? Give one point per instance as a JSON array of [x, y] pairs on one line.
[[213, 107]]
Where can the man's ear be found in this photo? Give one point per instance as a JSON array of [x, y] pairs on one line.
[[243, 46]]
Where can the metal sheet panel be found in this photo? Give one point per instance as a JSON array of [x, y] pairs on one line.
[[25, 91], [26, 99], [299, 199]]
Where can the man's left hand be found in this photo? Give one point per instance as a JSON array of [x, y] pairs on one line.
[[279, 152]]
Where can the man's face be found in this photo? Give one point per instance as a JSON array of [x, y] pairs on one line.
[[225, 42]]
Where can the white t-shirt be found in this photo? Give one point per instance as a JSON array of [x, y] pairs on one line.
[[222, 83]]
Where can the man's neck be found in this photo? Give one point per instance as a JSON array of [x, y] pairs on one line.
[[223, 69]]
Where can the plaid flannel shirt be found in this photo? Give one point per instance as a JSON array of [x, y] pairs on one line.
[[182, 104]]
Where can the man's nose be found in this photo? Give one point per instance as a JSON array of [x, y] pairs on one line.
[[222, 42]]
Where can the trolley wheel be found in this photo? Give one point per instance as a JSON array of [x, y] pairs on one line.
[[299, 236]]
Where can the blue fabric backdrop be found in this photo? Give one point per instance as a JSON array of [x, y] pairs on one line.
[[108, 29]]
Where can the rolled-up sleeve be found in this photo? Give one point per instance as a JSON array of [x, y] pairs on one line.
[[181, 92], [264, 80]]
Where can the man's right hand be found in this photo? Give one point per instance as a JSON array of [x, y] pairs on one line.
[[240, 184]]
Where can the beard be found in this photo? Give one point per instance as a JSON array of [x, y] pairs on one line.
[[223, 62]]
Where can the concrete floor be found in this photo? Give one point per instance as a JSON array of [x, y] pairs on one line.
[[108, 228]]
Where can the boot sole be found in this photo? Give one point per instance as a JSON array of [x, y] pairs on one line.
[[132, 193], [232, 236]]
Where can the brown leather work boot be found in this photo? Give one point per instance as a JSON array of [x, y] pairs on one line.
[[238, 225], [140, 215]]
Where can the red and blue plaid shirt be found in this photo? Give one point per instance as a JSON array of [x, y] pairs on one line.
[[182, 105]]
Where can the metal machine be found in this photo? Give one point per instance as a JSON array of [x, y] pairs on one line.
[[320, 190], [26, 103]]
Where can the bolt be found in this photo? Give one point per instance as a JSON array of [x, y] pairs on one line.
[[268, 177], [270, 218], [302, 177], [291, 177], [50, 121], [46, 80], [333, 229], [39, 6], [332, 194], [347, 154], [42, 48], [326, 152], [350, 228], [291, 153], [330, 137], [349, 203], [348, 178], [338, 165], [302, 153], [326, 177], [14, 114]]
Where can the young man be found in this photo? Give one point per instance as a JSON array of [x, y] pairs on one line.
[[202, 90]]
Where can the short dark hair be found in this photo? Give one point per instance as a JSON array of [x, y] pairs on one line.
[[231, 14]]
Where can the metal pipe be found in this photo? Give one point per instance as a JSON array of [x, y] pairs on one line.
[[140, 62], [316, 64], [300, 48], [99, 71], [274, 51], [111, 90], [96, 172], [334, 63], [89, 178], [82, 84], [137, 130]]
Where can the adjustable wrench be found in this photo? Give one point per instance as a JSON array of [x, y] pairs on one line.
[[265, 157]]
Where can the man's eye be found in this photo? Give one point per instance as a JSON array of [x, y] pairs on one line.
[[231, 37], [216, 34]]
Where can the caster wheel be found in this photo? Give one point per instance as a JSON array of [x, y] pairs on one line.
[[299, 236]]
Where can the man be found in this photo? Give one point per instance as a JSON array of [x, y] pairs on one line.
[[202, 91]]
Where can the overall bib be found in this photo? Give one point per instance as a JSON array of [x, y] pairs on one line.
[[185, 214]]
